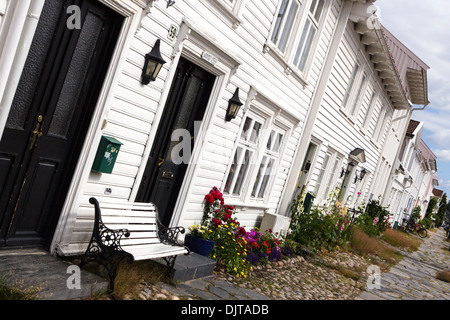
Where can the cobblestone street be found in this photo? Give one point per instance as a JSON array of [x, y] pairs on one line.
[[337, 276], [414, 278]]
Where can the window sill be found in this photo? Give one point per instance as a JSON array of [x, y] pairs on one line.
[[229, 200], [289, 69], [229, 14]]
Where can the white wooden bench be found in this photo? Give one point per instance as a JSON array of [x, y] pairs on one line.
[[130, 231]]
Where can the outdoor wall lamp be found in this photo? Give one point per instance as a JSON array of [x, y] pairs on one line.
[[234, 104], [153, 64], [362, 174], [347, 170]]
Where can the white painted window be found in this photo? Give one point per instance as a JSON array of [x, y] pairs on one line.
[[267, 164], [368, 113], [256, 158], [332, 176], [351, 83], [322, 170], [381, 132], [243, 155], [358, 96], [229, 9], [328, 176], [295, 28], [309, 31], [380, 124]]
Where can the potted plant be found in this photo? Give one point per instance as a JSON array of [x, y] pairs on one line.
[[202, 236], [198, 240]]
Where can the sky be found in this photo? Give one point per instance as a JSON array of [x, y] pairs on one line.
[[423, 26]]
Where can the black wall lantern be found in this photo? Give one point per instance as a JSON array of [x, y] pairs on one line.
[[153, 64], [234, 104], [362, 174]]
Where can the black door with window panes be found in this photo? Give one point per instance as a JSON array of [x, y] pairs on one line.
[[49, 117], [175, 138]]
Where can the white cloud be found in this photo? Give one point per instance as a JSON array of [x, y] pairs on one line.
[[444, 184], [443, 155]]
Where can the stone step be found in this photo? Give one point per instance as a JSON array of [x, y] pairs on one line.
[[50, 275], [192, 266]]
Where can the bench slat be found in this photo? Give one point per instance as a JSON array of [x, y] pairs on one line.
[[128, 220], [152, 251], [139, 241], [128, 213], [129, 206]]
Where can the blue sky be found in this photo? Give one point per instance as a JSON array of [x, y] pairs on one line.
[[423, 27]]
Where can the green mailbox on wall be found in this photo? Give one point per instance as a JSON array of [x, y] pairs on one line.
[[308, 202], [106, 156]]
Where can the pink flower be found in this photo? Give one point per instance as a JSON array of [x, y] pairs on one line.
[[359, 194]]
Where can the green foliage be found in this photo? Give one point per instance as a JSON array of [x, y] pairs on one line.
[[426, 223], [431, 206], [375, 219], [325, 227], [441, 212], [415, 215]]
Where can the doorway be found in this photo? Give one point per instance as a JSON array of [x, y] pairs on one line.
[[186, 105], [49, 117]]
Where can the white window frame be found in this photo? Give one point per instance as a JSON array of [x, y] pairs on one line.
[[270, 155], [245, 143], [330, 175], [381, 133], [270, 123], [367, 117], [286, 54], [230, 9]]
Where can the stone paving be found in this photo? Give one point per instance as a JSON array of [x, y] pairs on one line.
[[414, 277], [337, 276]]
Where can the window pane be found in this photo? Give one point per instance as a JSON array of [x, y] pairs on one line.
[[350, 84], [261, 170], [280, 16], [288, 26], [277, 143], [307, 48], [319, 10], [358, 95], [321, 173], [232, 172], [262, 189], [302, 41], [330, 178], [247, 125], [313, 6], [255, 132], [242, 173], [369, 108]]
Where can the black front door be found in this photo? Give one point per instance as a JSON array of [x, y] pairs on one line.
[[50, 115], [169, 157]]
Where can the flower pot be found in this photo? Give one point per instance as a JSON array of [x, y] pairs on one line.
[[198, 245]]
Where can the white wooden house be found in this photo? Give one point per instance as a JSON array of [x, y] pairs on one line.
[[359, 116], [74, 71], [273, 51], [415, 178]]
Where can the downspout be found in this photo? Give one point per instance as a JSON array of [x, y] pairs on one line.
[[15, 51]]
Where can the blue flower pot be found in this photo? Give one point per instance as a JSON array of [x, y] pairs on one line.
[[201, 246]]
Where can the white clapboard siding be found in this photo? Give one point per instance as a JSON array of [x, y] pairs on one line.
[[134, 108], [334, 126]]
